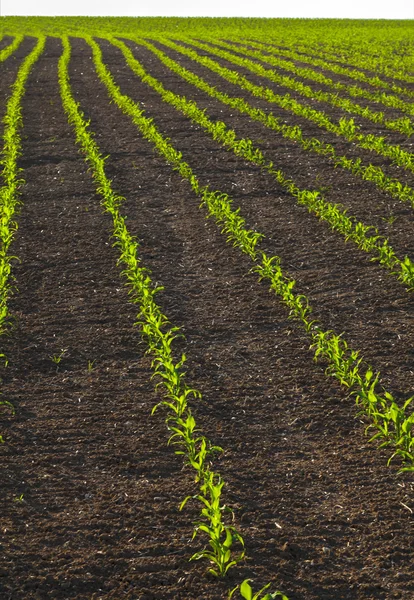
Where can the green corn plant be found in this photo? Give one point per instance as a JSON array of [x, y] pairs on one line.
[[343, 362], [184, 430], [196, 449], [221, 536], [246, 592], [198, 459], [302, 310], [57, 358], [396, 428], [386, 254], [406, 274], [403, 431], [367, 396], [347, 127]]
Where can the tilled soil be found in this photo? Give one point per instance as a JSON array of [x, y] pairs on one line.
[[90, 488]]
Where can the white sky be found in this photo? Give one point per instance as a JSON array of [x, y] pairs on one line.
[[352, 9]]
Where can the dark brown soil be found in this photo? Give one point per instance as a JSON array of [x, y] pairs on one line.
[[90, 489]]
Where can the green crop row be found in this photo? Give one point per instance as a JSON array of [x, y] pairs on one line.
[[391, 422], [374, 82], [345, 127], [159, 335], [366, 237], [155, 328], [403, 125], [372, 59], [8, 50], [369, 173], [9, 191]]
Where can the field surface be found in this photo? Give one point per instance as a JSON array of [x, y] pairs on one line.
[[91, 489]]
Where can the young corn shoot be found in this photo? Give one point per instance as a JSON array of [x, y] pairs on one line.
[[221, 536], [246, 592]]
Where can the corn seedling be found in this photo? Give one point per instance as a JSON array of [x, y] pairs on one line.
[[57, 358], [246, 592], [91, 365], [221, 536]]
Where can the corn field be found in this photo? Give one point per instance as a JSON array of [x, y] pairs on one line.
[[206, 309]]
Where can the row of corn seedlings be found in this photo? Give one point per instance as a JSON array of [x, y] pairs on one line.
[[391, 422], [346, 128], [159, 335], [404, 125], [333, 214], [377, 56], [367, 172], [9, 190], [364, 61], [8, 50], [327, 65]]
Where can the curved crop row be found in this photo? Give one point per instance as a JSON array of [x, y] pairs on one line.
[[345, 127], [374, 82], [6, 52], [391, 422], [159, 335], [369, 173], [333, 214], [9, 191], [374, 64], [403, 125]]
